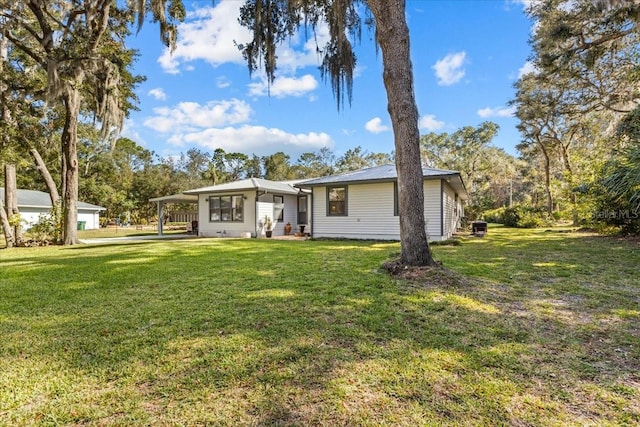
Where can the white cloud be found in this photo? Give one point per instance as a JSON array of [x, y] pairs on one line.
[[222, 82], [158, 94], [429, 122], [209, 126], [496, 112], [449, 70], [525, 3], [285, 86], [293, 55], [528, 67], [209, 34], [212, 34], [253, 139], [191, 115], [375, 126], [130, 130]]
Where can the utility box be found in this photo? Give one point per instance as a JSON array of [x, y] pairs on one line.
[[479, 228]]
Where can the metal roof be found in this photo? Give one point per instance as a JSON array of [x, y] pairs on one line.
[[40, 199], [176, 198], [386, 173], [257, 184]]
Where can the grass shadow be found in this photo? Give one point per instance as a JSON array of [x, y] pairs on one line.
[[270, 333]]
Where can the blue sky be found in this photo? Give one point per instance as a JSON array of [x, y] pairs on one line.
[[466, 56]]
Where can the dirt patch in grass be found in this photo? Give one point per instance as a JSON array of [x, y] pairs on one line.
[[436, 276]]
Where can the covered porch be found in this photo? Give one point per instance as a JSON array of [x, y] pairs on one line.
[[251, 207], [173, 199]]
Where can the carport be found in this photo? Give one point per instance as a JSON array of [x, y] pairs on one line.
[[174, 198]]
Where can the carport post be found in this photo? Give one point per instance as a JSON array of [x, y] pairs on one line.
[[160, 216]]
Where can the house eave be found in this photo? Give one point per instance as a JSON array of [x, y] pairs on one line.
[[371, 181]]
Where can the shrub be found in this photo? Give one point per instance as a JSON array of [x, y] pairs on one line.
[[519, 217], [48, 229], [494, 215]]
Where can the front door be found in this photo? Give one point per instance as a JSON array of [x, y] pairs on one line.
[[302, 209]]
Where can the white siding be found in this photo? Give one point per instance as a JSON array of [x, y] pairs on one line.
[[31, 216], [208, 228], [254, 214], [289, 212], [432, 208], [263, 209], [450, 211], [370, 209], [91, 219]]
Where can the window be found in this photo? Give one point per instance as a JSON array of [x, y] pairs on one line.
[[396, 208], [278, 202], [337, 201], [302, 209], [226, 208]]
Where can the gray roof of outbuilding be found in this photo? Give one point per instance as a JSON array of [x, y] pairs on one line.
[[40, 199]]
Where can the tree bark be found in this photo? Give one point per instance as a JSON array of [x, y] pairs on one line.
[[392, 34], [11, 199], [6, 227], [71, 99], [48, 179], [569, 177], [547, 177]]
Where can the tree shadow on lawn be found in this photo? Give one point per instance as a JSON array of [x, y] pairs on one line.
[[194, 333]]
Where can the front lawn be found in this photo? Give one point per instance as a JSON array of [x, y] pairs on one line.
[[542, 329]]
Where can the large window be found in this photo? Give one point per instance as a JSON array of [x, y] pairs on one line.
[[226, 208], [336, 201], [396, 208]]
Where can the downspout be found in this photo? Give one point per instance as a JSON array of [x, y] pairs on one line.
[[442, 208], [255, 209], [311, 213]]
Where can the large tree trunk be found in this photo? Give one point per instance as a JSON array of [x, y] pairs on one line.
[[6, 227], [48, 179], [569, 176], [11, 200], [547, 178], [71, 99], [392, 34]]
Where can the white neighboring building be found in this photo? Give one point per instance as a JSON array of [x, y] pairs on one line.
[[32, 204]]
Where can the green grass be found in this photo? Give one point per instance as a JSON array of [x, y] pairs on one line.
[[542, 330], [108, 232]]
